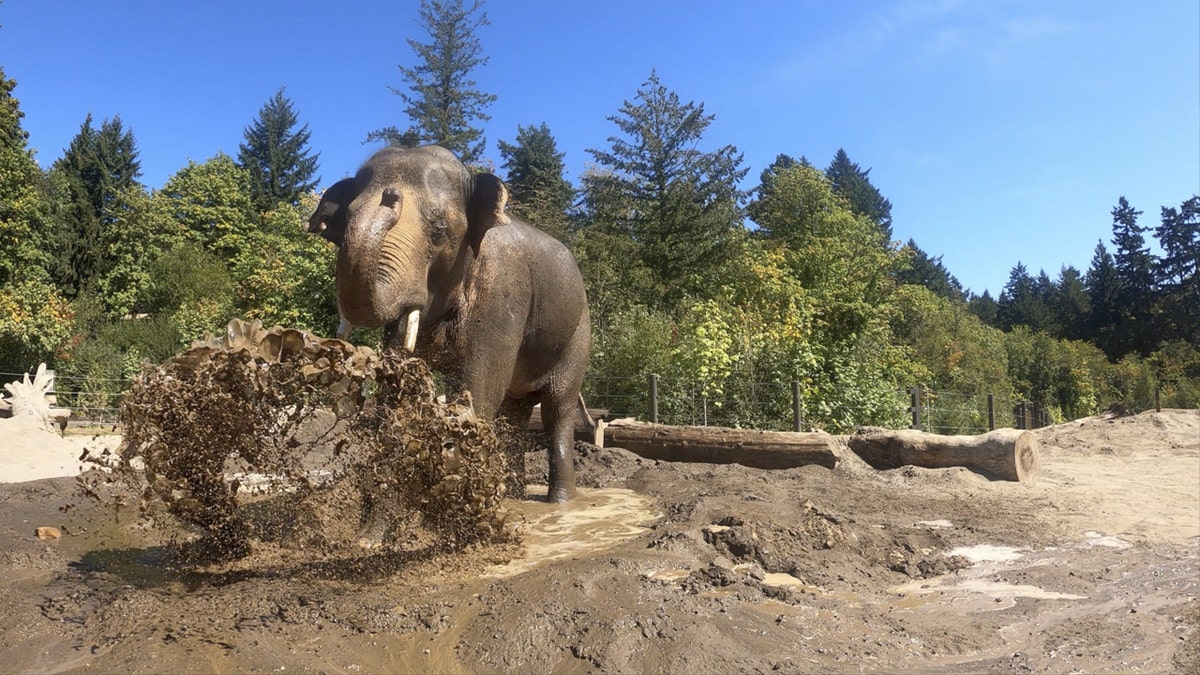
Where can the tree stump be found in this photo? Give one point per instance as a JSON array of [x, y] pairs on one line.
[[1003, 454]]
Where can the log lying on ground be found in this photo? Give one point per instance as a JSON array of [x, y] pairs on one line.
[[720, 445], [1003, 454]]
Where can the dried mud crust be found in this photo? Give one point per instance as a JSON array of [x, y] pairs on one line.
[[735, 570]]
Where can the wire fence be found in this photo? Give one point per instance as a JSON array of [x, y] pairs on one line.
[[778, 406], [789, 407]]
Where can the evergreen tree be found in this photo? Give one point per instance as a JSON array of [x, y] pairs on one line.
[[680, 204], [95, 173], [1023, 302], [442, 101], [538, 192], [1176, 274], [1104, 309], [1135, 273], [929, 272], [276, 156], [23, 208], [1070, 304], [853, 183], [986, 308]]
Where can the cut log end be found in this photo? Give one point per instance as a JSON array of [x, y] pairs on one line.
[[1027, 460]]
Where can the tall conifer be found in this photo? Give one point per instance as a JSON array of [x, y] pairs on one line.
[[441, 100], [276, 156]]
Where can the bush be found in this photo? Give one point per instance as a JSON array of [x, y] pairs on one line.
[[35, 326]]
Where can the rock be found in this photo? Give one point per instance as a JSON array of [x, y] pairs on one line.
[[48, 533]]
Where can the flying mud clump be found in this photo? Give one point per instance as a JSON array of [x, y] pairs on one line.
[[280, 438]]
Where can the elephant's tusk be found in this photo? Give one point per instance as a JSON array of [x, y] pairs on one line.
[[410, 333], [343, 330]]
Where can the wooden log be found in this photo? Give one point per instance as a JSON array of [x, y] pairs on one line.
[[583, 431], [721, 445], [1003, 454]]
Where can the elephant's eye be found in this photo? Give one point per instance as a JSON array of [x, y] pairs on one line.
[[437, 229]]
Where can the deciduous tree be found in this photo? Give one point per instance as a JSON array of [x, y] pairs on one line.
[[23, 208]]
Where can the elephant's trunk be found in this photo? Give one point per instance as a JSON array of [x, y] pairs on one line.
[[379, 275]]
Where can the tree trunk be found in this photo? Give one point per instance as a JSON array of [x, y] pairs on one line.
[[1003, 454], [720, 445]]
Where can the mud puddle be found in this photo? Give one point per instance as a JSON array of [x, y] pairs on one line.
[[597, 519]]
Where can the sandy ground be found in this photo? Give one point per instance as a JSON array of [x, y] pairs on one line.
[[1094, 567]]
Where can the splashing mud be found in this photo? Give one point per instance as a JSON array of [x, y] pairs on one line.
[[281, 443]]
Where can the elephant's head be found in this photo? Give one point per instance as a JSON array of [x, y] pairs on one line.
[[410, 224]]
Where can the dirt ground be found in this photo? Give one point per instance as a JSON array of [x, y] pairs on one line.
[[1094, 567]]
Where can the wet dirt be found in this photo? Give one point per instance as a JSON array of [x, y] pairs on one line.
[[660, 567]]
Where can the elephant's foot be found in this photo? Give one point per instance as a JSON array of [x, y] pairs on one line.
[[560, 493]]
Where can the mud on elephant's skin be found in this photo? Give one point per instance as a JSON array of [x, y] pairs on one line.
[[499, 306]]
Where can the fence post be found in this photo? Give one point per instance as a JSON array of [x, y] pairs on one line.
[[653, 398], [797, 410], [1019, 415], [1157, 400], [915, 394], [991, 412]]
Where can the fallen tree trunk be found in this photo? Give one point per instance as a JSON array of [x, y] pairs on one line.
[[1003, 454], [721, 445]]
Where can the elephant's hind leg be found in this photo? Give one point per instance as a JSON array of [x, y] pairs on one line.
[[558, 416]]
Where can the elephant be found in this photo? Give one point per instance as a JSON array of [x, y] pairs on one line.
[[493, 303]]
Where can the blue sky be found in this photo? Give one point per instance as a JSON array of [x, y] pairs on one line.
[[1001, 131]]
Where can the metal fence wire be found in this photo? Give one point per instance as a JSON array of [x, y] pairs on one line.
[[779, 406]]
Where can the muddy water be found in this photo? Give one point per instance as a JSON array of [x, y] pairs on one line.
[[598, 519]]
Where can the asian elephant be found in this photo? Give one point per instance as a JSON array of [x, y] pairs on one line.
[[495, 304]]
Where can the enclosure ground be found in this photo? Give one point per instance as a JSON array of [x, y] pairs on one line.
[[673, 567]]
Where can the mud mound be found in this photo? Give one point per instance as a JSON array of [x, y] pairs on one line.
[[1170, 431], [283, 440]]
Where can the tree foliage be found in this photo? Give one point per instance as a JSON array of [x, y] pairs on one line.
[[679, 204], [275, 155], [538, 191], [854, 184], [23, 207], [90, 181], [442, 102]]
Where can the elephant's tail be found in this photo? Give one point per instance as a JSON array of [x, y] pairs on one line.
[[587, 417]]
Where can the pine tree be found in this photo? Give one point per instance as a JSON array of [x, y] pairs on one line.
[[276, 156], [90, 180], [442, 101], [538, 192], [681, 205], [853, 183], [23, 208]]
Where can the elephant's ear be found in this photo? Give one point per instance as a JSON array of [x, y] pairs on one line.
[[329, 220], [485, 208]]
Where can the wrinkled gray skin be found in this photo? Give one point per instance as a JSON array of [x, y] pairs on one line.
[[504, 315]]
